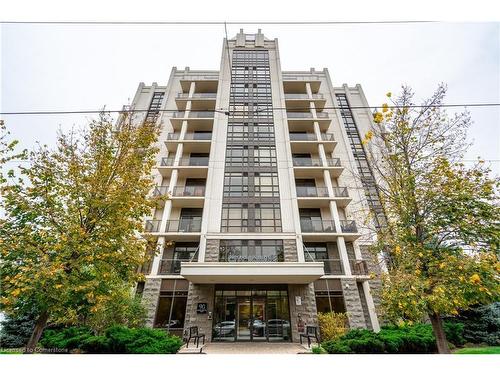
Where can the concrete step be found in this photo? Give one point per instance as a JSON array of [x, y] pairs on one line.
[[192, 349]]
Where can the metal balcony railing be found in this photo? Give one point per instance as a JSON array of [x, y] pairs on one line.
[[189, 191], [152, 226], [191, 161], [194, 114], [340, 192], [359, 267], [311, 191], [184, 225], [314, 225], [160, 190], [348, 226], [172, 266], [331, 266]]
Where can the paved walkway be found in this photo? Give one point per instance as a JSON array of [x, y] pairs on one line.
[[253, 348]]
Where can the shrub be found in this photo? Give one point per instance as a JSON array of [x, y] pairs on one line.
[[65, 338], [116, 339], [332, 325], [417, 338]]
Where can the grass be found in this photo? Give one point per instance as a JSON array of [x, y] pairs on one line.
[[479, 350]]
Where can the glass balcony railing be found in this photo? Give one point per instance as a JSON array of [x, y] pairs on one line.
[[190, 136], [189, 191], [314, 225], [299, 115], [194, 114], [327, 137], [152, 226], [198, 95], [331, 266], [311, 191], [191, 161], [172, 266], [348, 226], [340, 192], [184, 225], [333, 162], [303, 137], [303, 96], [305, 162], [160, 191], [359, 267]]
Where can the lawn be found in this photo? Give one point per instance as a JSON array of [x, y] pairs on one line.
[[479, 350]]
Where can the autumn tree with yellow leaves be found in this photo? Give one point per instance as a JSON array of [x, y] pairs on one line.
[[442, 236], [68, 240]]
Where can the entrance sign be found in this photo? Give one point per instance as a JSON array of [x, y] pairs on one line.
[[202, 308], [298, 301]]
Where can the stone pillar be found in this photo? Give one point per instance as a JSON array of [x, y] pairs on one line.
[[290, 250], [200, 293], [212, 250], [150, 297], [307, 309], [354, 308]]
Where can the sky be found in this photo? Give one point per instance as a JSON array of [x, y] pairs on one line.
[[86, 67]]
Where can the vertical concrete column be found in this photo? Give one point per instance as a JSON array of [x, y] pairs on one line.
[[167, 208], [371, 306], [340, 240], [160, 245]]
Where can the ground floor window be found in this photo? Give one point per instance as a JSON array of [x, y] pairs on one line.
[[251, 313], [171, 308], [329, 296]]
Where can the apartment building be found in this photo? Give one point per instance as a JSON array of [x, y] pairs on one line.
[[265, 193]]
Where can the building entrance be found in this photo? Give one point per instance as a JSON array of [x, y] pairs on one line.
[[251, 313]]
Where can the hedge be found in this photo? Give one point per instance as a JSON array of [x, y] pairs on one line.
[[417, 338], [116, 339]]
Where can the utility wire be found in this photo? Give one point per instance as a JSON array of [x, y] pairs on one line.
[[224, 111], [206, 23]]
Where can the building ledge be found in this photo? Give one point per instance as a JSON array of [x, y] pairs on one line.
[[252, 273]]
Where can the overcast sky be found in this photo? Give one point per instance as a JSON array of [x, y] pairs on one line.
[[75, 67]]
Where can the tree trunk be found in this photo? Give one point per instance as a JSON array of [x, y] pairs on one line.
[[40, 324], [438, 328]]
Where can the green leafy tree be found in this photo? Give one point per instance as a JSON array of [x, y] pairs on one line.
[[70, 233], [443, 231]]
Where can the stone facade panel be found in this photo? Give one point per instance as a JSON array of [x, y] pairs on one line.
[[352, 300], [307, 309], [212, 250], [200, 293], [150, 297], [290, 250]]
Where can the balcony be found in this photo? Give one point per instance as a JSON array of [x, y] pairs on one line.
[[152, 226], [190, 225], [313, 168], [359, 267], [316, 225], [311, 191], [340, 192], [348, 226], [303, 96], [195, 166], [172, 266], [189, 191], [194, 114], [202, 119], [299, 120], [307, 142], [160, 191], [198, 95], [331, 266], [193, 142], [304, 162]]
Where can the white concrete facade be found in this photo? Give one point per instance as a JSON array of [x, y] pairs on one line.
[[194, 117]]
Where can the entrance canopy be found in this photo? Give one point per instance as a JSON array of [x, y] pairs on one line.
[[252, 273]]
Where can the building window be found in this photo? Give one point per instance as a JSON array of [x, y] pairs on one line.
[[329, 296], [171, 310]]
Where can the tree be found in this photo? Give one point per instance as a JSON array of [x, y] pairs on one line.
[[70, 234], [443, 232], [17, 328]]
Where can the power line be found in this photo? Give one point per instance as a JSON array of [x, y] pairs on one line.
[[226, 112], [208, 23]]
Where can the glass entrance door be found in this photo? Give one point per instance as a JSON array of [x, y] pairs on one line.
[[251, 313], [243, 328]]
